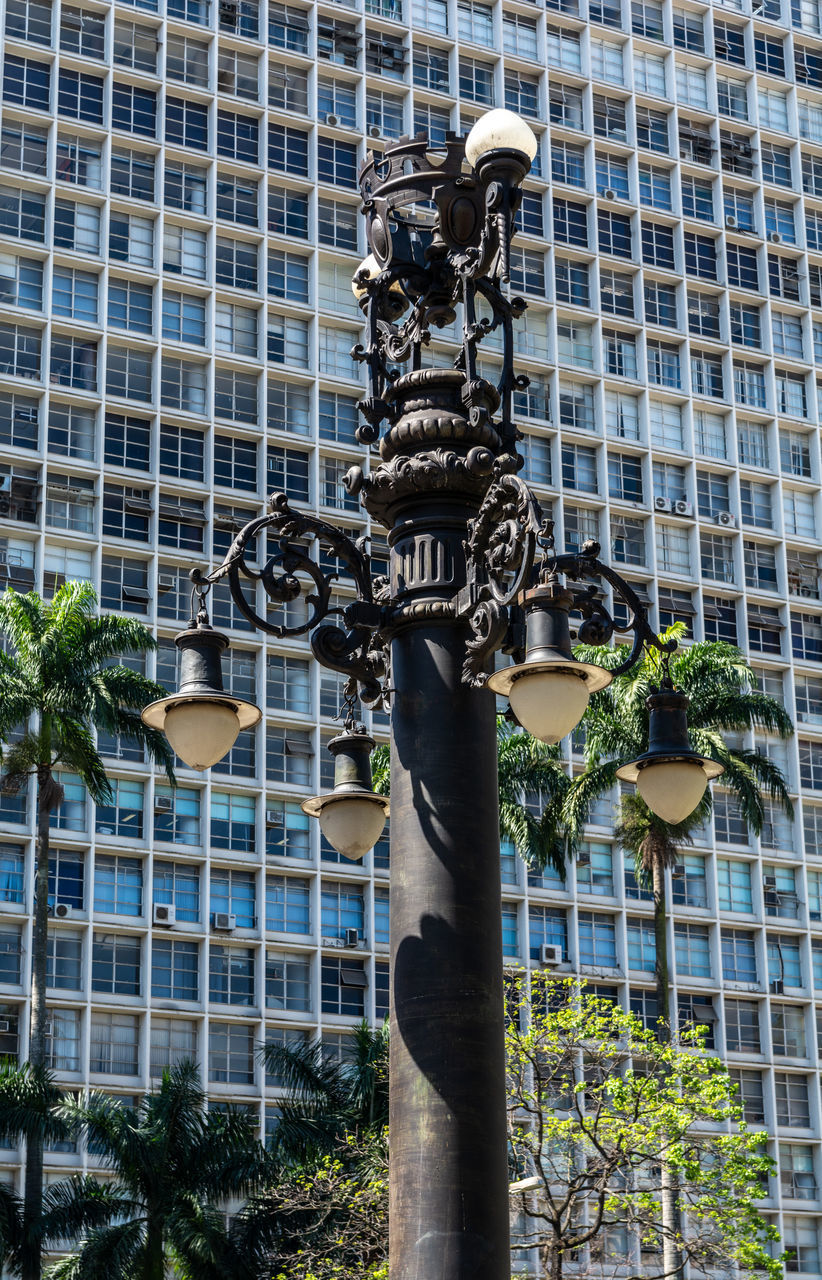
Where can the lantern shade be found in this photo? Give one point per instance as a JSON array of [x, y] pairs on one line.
[[201, 731], [351, 816], [200, 721], [352, 824], [371, 267], [499, 130], [549, 691], [549, 703], [670, 776], [672, 788]]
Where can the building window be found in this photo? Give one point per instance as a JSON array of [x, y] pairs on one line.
[[118, 885], [231, 975], [597, 939], [287, 904], [641, 944], [342, 987], [734, 885], [115, 964], [288, 981], [234, 893], [115, 1042], [742, 1026], [124, 815], [174, 969], [230, 1053], [173, 1040], [738, 956], [177, 884], [341, 908]]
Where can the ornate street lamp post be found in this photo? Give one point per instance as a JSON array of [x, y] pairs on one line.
[[472, 571]]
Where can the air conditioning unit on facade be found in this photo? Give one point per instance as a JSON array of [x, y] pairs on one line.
[[331, 120], [164, 913], [352, 937], [550, 954], [775, 237], [663, 504], [609, 194], [224, 921], [731, 222], [61, 910], [682, 507], [273, 817], [726, 519], [163, 804]]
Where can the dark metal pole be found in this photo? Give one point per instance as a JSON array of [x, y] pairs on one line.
[[448, 1167]]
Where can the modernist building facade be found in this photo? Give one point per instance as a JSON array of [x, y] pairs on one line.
[[178, 229]]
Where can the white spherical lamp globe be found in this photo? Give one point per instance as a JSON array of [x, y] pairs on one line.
[[499, 130], [371, 268]]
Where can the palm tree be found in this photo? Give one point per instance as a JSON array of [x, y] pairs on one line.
[[532, 786], [328, 1100], [57, 683], [724, 699], [173, 1164], [30, 1109]]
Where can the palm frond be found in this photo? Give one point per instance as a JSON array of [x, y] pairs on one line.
[[109, 1253], [79, 1204]]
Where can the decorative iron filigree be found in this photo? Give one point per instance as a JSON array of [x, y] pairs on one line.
[[432, 263], [503, 561], [355, 648]]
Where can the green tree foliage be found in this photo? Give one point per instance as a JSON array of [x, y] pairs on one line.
[[724, 702], [60, 680], [599, 1107], [328, 1101], [174, 1164], [329, 1220], [30, 1111]]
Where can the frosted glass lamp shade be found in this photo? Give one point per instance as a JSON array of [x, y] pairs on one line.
[[352, 824], [499, 130], [672, 788], [201, 732], [372, 268], [549, 704]]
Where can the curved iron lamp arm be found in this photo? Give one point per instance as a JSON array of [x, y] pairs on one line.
[[355, 649], [510, 549]]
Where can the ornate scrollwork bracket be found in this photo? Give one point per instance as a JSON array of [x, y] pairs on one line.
[[511, 549], [356, 648]]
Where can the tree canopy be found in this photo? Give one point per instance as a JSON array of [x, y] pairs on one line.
[[600, 1106]]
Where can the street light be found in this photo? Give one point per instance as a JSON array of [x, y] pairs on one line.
[[352, 816], [201, 721], [671, 777], [473, 570]]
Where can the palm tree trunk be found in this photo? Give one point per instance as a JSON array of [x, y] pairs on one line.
[[663, 996], [33, 1186], [153, 1257], [672, 1261]]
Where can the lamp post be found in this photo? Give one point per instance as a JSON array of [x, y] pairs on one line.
[[472, 570]]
